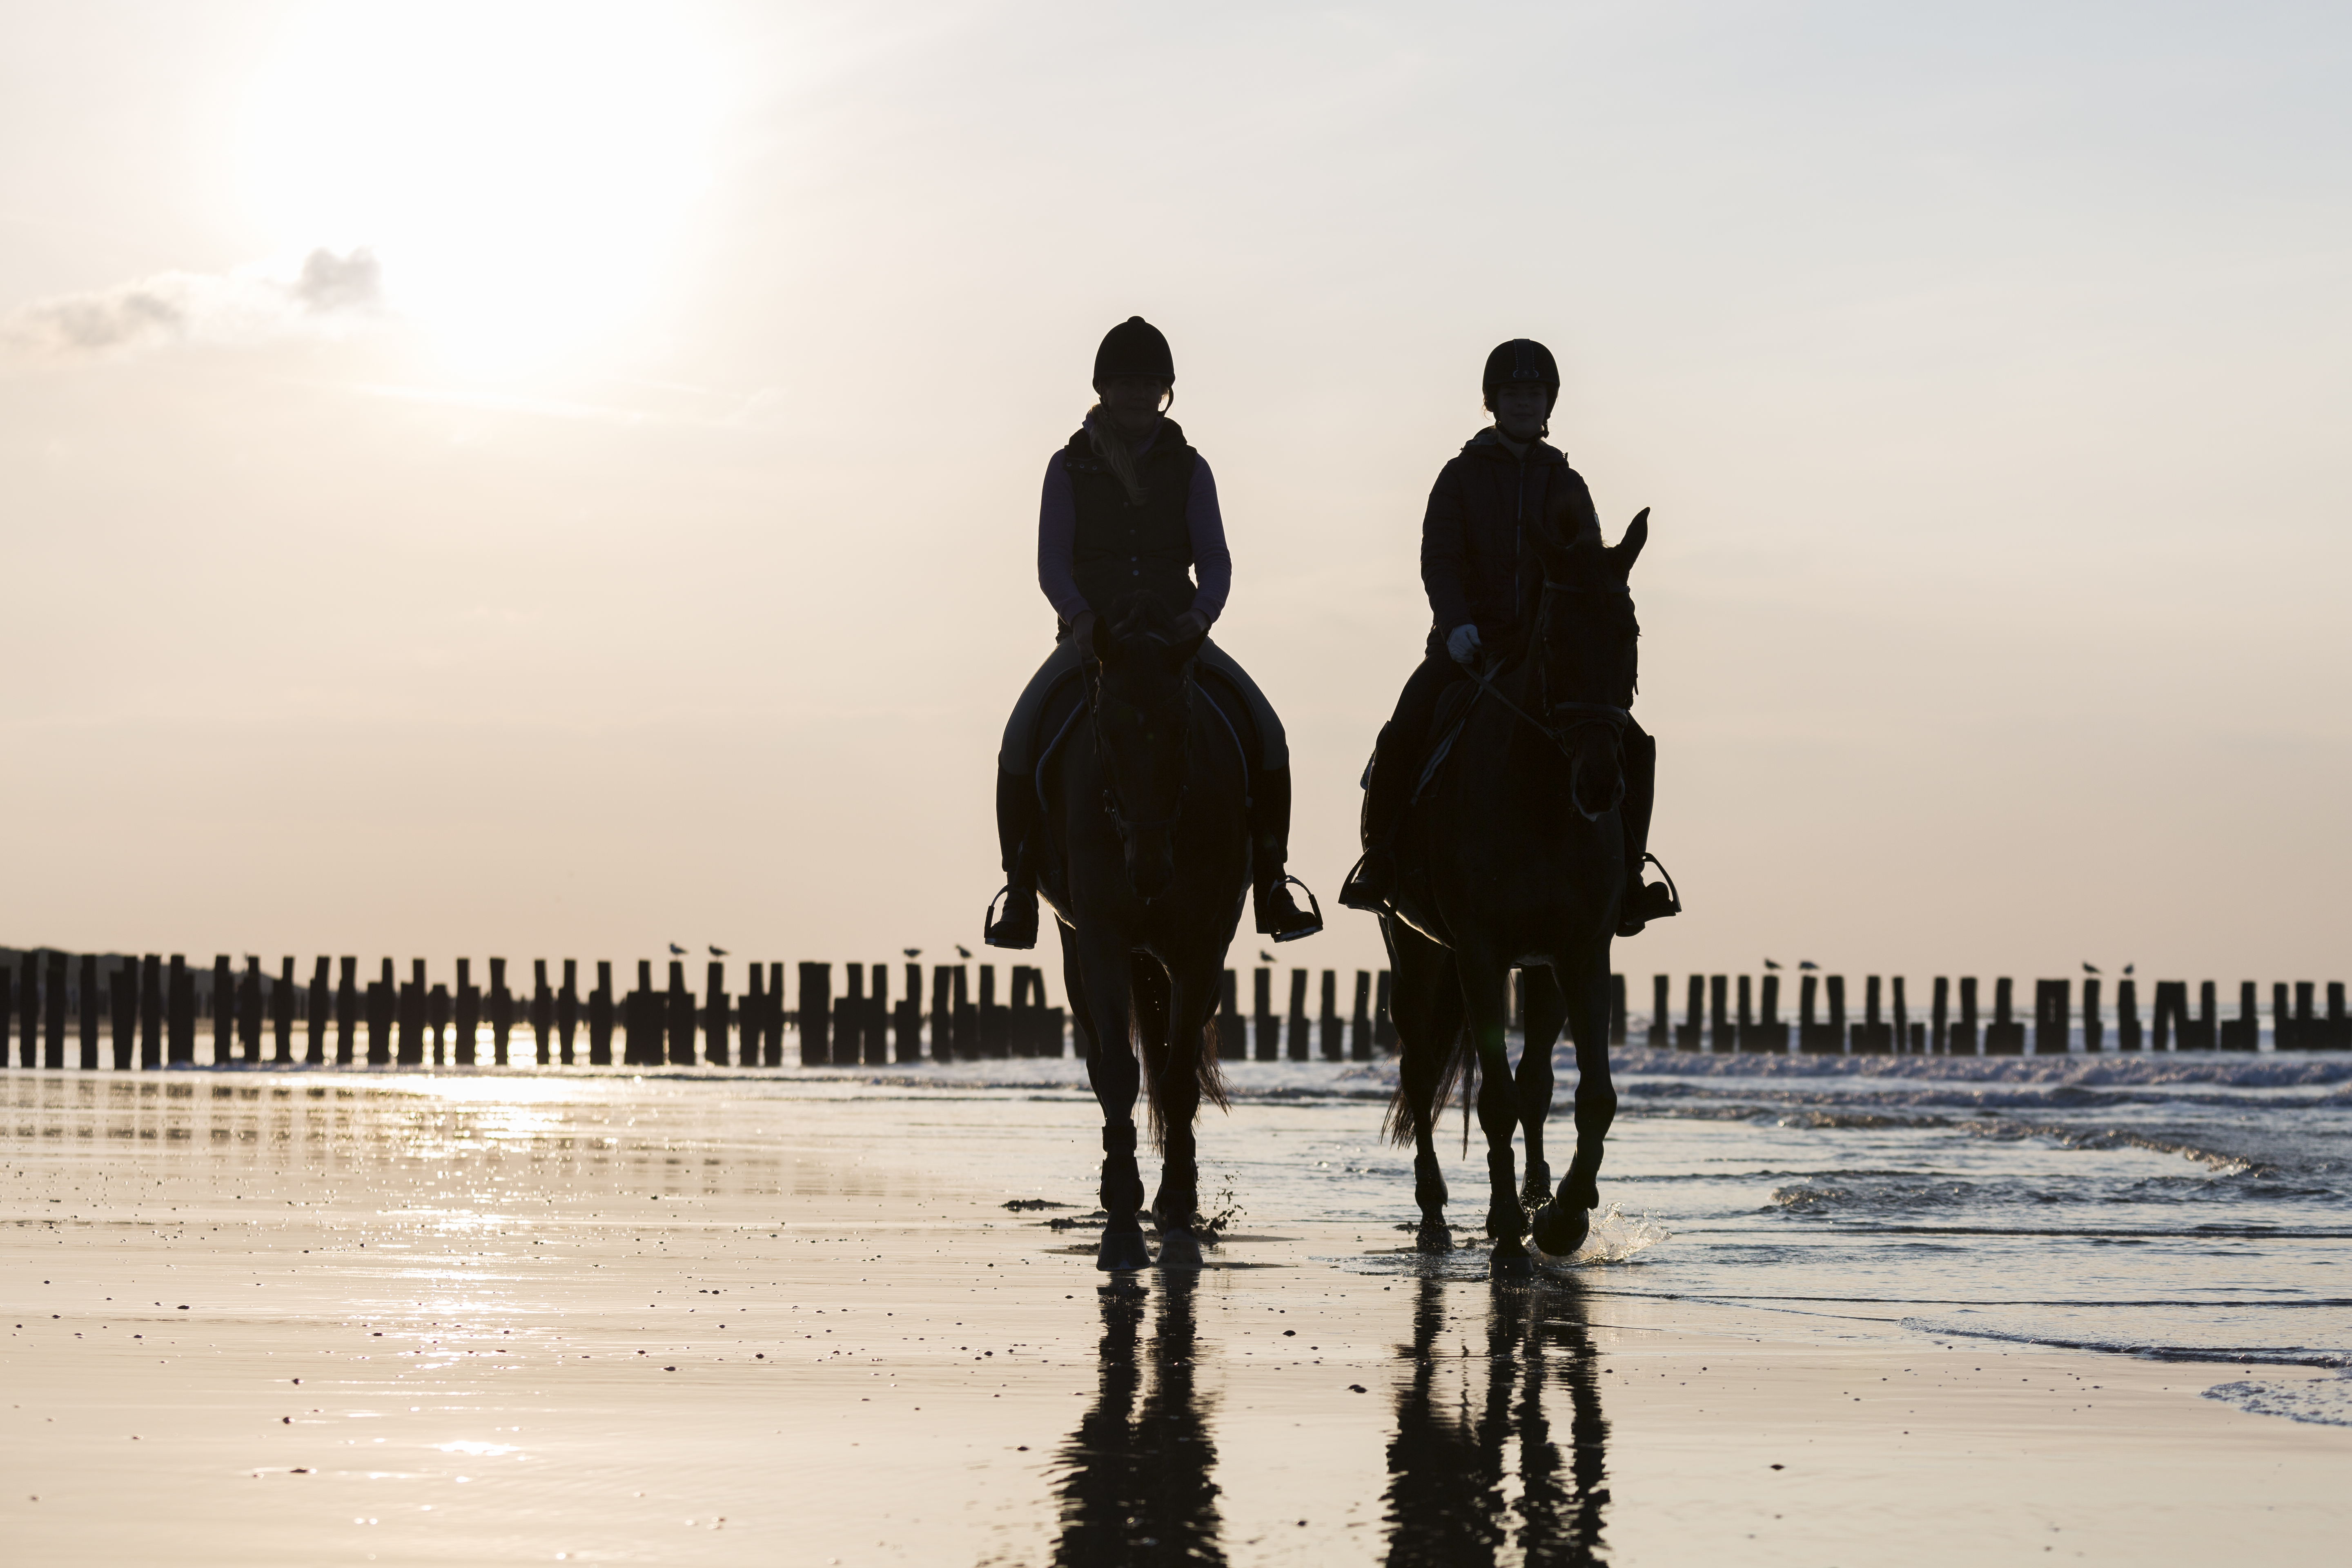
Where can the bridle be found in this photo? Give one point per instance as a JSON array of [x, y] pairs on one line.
[[1562, 721], [1126, 826]]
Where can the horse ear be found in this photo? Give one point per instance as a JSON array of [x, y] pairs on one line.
[[1626, 551]]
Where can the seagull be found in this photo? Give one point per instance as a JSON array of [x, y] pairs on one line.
[[912, 952], [2090, 968], [1264, 956], [1770, 963], [718, 951], [962, 951], [1807, 963], [2127, 968], [676, 950]]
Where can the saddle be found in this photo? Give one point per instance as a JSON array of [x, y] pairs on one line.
[[1067, 699], [1452, 711]]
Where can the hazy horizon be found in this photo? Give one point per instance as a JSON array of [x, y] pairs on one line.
[[558, 480]]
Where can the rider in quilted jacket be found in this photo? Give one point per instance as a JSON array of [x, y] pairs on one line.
[[1483, 583]]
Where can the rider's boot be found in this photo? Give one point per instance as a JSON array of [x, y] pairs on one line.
[[1016, 821], [1278, 914], [1371, 886], [1644, 902]]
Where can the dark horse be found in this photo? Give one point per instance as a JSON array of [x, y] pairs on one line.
[[1146, 859], [1516, 859]]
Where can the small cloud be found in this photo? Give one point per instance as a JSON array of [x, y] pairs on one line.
[[331, 282], [250, 305]]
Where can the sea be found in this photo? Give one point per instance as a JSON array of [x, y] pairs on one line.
[[2182, 1206]]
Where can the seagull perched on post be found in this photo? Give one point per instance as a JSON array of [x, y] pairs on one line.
[[1807, 963], [912, 952], [717, 950], [962, 951], [2127, 968], [1771, 964], [1264, 956], [2090, 968], [675, 950]]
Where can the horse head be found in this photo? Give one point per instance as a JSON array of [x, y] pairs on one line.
[[1142, 715], [1588, 652]]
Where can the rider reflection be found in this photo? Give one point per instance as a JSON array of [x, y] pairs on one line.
[[1139, 1487], [1477, 1471]]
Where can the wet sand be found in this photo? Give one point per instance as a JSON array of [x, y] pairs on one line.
[[609, 1320]]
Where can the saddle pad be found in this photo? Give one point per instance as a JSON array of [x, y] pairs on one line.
[[1452, 710]]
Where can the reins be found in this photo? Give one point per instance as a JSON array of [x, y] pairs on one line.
[[1578, 715]]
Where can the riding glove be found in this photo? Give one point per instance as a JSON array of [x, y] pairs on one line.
[[1462, 643]]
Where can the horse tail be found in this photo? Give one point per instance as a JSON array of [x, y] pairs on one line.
[[1457, 1073], [1206, 1072], [1211, 1074]]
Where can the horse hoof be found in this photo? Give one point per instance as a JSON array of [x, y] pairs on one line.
[[1436, 1235], [1560, 1230], [1178, 1249], [1582, 1188], [1122, 1251], [1510, 1264]]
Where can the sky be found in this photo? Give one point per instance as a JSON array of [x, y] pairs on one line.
[[560, 479]]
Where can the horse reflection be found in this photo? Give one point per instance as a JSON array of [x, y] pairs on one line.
[[1139, 1487], [1478, 1471]]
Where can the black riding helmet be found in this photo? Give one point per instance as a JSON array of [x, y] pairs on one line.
[[1521, 359], [1136, 347]]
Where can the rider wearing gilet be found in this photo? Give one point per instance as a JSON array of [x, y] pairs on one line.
[[1485, 583], [1129, 508]]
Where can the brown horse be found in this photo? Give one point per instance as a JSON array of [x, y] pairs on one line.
[[1516, 859], [1146, 861]]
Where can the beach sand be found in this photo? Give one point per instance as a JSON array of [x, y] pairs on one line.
[[327, 1317]]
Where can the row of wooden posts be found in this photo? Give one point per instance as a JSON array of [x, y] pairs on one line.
[[1886, 1027], [140, 1013], [146, 1010]]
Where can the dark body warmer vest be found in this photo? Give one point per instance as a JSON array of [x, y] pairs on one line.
[[1121, 548]]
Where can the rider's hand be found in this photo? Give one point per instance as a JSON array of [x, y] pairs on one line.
[[1192, 624], [1082, 632], [1463, 644]]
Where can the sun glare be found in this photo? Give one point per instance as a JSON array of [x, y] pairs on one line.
[[523, 171]]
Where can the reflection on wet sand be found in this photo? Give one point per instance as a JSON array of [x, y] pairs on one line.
[[1139, 1487], [1479, 1470], [1475, 1471]]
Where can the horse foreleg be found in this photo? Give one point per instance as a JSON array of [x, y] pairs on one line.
[[1427, 1005], [1484, 1001], [1562, 1224], [1545, 1011], [1112, 1072]]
